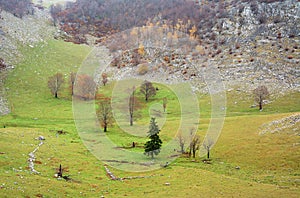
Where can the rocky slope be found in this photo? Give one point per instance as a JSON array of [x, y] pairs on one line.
[[15, 33], [254, 44]]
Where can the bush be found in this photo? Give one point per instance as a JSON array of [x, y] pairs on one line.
[[142, 69], [2, 64]]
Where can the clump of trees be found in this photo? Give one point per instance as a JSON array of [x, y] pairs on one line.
[[99, 17], [261, 93], [18, 8], [152, 147], [85, 85]]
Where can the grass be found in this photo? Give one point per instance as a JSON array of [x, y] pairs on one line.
[[268, 164]]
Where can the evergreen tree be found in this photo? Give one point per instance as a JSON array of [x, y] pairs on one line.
[[152, 147]]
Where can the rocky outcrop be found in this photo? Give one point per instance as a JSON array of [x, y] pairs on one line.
[[292, 123]]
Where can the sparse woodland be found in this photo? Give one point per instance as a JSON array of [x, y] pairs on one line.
[[48, 150]]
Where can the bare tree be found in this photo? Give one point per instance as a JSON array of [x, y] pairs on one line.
[[85, 87], [105, 114], [165, 102], [55, 83], [131, 106], [148, 90], [194, 145], [181, 141], [261, 93], [208, 143]]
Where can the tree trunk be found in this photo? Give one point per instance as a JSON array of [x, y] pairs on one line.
[[131, 121], [152, 156], [105, 128], [182, 149], [260, 105], [194, 153], [56, 95], [208, 153]]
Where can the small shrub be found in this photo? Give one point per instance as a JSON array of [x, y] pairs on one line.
[[142, 69]]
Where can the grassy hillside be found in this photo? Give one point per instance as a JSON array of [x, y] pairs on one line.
[[268, 165]]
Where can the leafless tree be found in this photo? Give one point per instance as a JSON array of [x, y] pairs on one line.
[[55, 83], [194, 145], [261, 93], [181, 141], [208, 143], [148, 90], [85, 87], [105, 114]]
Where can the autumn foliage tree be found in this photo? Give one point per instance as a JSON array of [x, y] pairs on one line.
[[261, 93], [55, 83], [147, 90], [104, 78]]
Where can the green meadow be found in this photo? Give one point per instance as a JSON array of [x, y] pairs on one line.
[[243, 163]]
